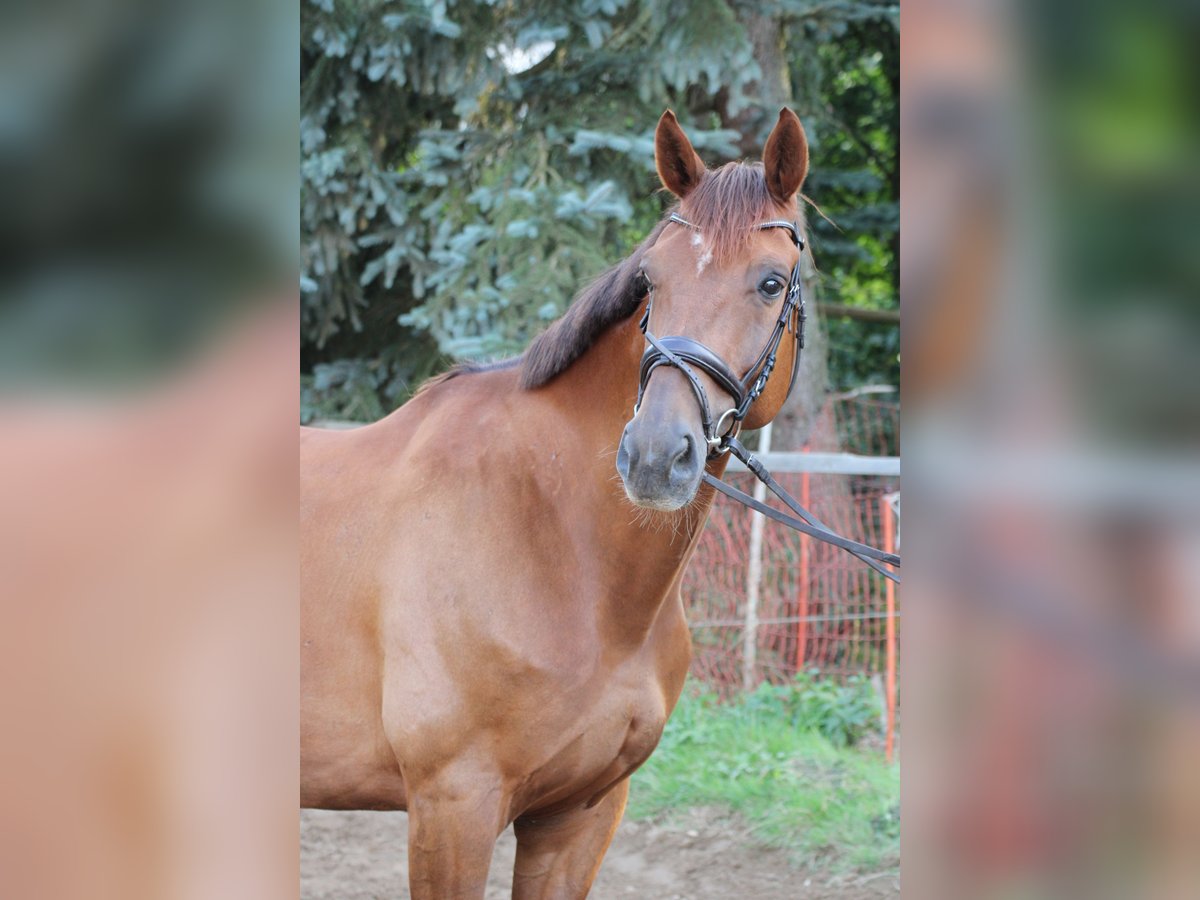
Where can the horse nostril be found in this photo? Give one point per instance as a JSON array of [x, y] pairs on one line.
[[626, 457], [683, 465]]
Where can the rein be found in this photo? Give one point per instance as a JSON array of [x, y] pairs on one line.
[[807, 523], [683, 353]]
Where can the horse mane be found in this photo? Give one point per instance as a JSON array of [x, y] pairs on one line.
[[725, 206], [466, 368], [612, 297]]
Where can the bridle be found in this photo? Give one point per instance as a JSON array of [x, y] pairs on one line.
[[683, 353]]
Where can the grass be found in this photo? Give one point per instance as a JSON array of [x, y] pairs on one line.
[[829, 804]]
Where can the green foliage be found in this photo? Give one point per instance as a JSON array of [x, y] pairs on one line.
[[344, 389], [766, 757], [842, 712], [467, 166], [855, 75]]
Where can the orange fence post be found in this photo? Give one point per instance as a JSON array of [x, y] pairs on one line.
[[889, 544], [802, 605]]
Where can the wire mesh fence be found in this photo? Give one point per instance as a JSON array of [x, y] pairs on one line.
[[817, 606]]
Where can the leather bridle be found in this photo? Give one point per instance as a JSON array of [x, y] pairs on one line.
[[684, 353]]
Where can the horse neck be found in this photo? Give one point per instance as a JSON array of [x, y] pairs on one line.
[[641, 554]]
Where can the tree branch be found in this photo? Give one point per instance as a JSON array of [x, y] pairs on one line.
[[862, 314]]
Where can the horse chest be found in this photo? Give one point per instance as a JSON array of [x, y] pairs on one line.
[[600, 745], [641, 737], [633, 735]]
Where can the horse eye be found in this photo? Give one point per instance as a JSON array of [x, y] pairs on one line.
[[770, 286], [644, 283]]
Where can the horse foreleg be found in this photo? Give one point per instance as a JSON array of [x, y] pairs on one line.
[[558, 857], [451, 836]]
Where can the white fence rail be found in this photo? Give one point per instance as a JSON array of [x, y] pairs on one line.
[[825, 463]]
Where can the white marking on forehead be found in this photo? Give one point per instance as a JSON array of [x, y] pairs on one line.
[[705, 257]]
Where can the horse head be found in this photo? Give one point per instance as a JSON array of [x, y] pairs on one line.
[[722, 291]]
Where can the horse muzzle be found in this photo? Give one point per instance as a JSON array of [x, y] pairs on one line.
[[660, 464]]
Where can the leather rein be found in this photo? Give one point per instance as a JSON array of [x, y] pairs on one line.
[[721, 436]]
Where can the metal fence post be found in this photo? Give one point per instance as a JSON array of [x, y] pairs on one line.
[[802, 581], [889, 543], [754, 575]]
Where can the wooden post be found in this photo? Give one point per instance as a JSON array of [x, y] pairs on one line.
[[889, 544], [802, 585], [754, 575]]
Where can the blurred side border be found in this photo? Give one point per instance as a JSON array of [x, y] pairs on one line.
[[1051, 417]]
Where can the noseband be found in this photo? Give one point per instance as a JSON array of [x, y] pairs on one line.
[[684, 354]]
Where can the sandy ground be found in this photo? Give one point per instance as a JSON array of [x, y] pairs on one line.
[[703, 855]]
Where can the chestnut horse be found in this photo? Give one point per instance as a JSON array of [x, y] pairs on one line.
[[492, 630]]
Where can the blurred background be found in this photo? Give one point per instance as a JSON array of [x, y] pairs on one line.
[[148, 399], [1052, 421]]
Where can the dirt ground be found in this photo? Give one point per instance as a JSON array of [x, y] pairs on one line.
[[703, 855]]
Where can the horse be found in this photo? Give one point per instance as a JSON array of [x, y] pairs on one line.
[[492, 631]]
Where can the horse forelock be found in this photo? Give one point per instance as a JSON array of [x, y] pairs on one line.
[[727, 204]]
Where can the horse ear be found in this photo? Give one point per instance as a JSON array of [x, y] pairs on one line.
[[785, 158], [679, 168]]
